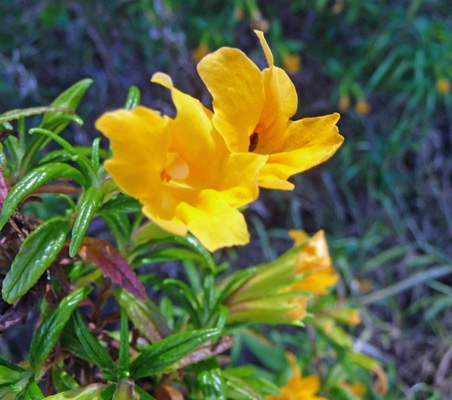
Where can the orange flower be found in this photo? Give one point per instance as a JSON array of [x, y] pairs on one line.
[[292, 63], [443, 85], [201, 51], [344, 103], [314, 260], [181, 170], [362, 107], [298, 388], [252, 110]]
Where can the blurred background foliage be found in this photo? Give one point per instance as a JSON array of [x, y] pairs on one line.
[[383, 199]]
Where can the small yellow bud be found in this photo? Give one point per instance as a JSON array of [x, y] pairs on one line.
[[344, 103], [358, 389], [199, 53], [338, 7], [443, 85], [362, 107], [292, 63]]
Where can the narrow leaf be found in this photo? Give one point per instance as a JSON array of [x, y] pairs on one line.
[[90, 392], [163, 354], [123, 204], [26, 112], [144, 315], [124, 390], [68, 99], [37, 253], [50, 329], [144, 395], [62, 380], [124, 362], [93, 350], [91, 200], [32, 181], [133, 98], [106, 258]]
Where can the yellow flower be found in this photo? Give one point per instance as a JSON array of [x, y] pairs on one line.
[[181, 170], [298, 388], [252, 110], [358, 389], [362, 107], [443, 85], [313, 259], [344, 103], [201, 51], [292, 63]]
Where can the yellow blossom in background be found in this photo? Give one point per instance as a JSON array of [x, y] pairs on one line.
[[201, 51], [344, 103], [252, 109], [298, 388], [181, 170], [443, 85], [362, 107], [315, 260], [291, 63], [357, 389], [338, 6], [299, 312]]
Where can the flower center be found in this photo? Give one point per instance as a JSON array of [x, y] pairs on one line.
[[175, 168], [254, 137]]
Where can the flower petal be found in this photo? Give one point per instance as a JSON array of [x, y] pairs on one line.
[[280, 105], [140, 141], [236, 85], [210, 163], [306, 143], [201, 212]]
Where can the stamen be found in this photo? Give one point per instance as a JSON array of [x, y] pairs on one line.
[[164, 176], [254, 137], [254, 141]]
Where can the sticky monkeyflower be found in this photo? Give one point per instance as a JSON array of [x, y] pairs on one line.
[[443, 85], [252, 111], [292, 63], [265, 295], [314, 261], [201, 51], [181, 170], [363, 107], [344, 103], [298, 387]]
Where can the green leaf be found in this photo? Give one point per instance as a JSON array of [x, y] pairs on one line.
[[124, 361], [122, 204], [133, 98], [143, 395], [37, 253], [68, 99], [93, 351], [163, 354], [90, 392], [241, 387], [83, 162], [145, 316], [124, 390], [49, 331], [32, 181], [62, 380], [33, 392], [211, 380], [26, 112], [91, 200]]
